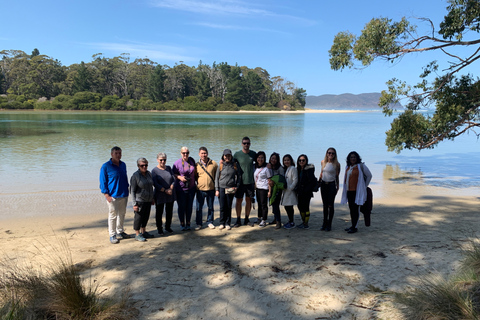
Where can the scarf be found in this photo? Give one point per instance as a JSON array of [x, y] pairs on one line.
[[361, 194]]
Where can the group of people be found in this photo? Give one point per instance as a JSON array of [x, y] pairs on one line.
[[246, 176]]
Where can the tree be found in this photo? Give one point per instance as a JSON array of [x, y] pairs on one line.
[[253, 88], [455, 95], [156, 84], [82, 81]]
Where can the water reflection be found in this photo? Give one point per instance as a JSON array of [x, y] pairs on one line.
[[42, 151]]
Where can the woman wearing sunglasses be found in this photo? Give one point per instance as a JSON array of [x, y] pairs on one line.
[[141, 189], [185, 189], [329, 183], [163, 180], [306, 186]]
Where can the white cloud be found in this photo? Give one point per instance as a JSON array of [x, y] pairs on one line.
[[145, 50], [224, 7], [236, 27]]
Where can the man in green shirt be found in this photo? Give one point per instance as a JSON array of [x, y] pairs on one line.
[[246, 160]]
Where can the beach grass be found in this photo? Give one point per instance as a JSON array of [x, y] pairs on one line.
[[454, 297], [55, 290]]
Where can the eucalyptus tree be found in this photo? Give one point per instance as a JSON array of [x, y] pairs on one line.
[[140, 73], [444, 85], [180, 81], [156, 84], [254, 88]]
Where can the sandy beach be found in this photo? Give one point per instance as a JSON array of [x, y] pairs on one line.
[[249, 272]]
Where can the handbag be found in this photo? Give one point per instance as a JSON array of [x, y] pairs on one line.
[[230, 190]]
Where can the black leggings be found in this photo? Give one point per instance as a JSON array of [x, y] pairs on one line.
[[290, 213], [328, 192], [262, 199], [168, 215], [141, 216], [304, 203], [354, 208]]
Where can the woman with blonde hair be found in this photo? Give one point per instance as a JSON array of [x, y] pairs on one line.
[[185, 188], [329, 184]]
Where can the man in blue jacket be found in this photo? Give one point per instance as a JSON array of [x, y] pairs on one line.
[[114, 186]]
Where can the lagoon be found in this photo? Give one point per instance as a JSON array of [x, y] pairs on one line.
[[51, 152]]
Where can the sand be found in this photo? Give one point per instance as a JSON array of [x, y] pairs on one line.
[[250, 272]]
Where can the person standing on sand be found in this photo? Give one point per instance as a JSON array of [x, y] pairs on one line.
[[163, 180], [305, 188], [289, 195], [227, 182], [329, 183], [356, 181], [262, 177], [114, 186], [205, 171], [277, 169], [141, 188], [184, 171], [246, 160]]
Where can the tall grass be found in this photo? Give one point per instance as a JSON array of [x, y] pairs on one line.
[[439, 298], [55, 290]]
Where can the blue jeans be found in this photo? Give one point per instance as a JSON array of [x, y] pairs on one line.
[[210, 196], [185, 205]]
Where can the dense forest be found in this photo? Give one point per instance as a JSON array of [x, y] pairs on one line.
[[38, 81]]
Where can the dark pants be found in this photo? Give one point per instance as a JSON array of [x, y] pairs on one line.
[[328, 192], [168, 215], [276, 207], [140, 218], [290, 213], [226, 201], [262, 200], [304, 203], [201, 195], [185, 206], [354, 208]]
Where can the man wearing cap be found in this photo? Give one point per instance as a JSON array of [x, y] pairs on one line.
[[205, 171], [246, 160], [114, 186]]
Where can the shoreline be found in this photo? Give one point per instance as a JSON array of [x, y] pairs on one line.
[[219, 274], [307, 110]]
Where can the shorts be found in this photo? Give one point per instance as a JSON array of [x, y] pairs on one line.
[[245, 189]]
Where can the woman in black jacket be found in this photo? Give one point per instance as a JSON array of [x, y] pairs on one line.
[[307, 183]]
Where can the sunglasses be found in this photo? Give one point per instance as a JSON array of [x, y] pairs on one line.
[[331, 153], [162, 160], [302, 160], [143, 165], [185, 152], [246, 143]]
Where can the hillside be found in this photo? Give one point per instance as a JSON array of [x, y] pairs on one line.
[[363, 101]]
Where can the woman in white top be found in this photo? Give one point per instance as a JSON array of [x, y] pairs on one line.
[[289, 196], [262, 175], [329, 183]]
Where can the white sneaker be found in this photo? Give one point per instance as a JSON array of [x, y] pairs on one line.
[[198, 227], [220, 227], [211, 226], [228, 227]]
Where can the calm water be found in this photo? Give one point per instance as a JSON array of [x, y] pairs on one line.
[[63, 151]]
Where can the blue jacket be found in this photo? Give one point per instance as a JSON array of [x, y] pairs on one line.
[[114, 180]]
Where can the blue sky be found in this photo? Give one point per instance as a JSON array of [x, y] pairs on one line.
[[287, 38]]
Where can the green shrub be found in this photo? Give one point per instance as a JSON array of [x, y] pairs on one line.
[[457, 297], [109, 103], [55, 292]]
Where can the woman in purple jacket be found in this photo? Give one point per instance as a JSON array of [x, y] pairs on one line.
[[184, 172]]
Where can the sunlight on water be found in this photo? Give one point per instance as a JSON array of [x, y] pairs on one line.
[[47, 151]]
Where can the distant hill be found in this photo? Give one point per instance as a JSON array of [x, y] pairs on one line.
[[345, 101]]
